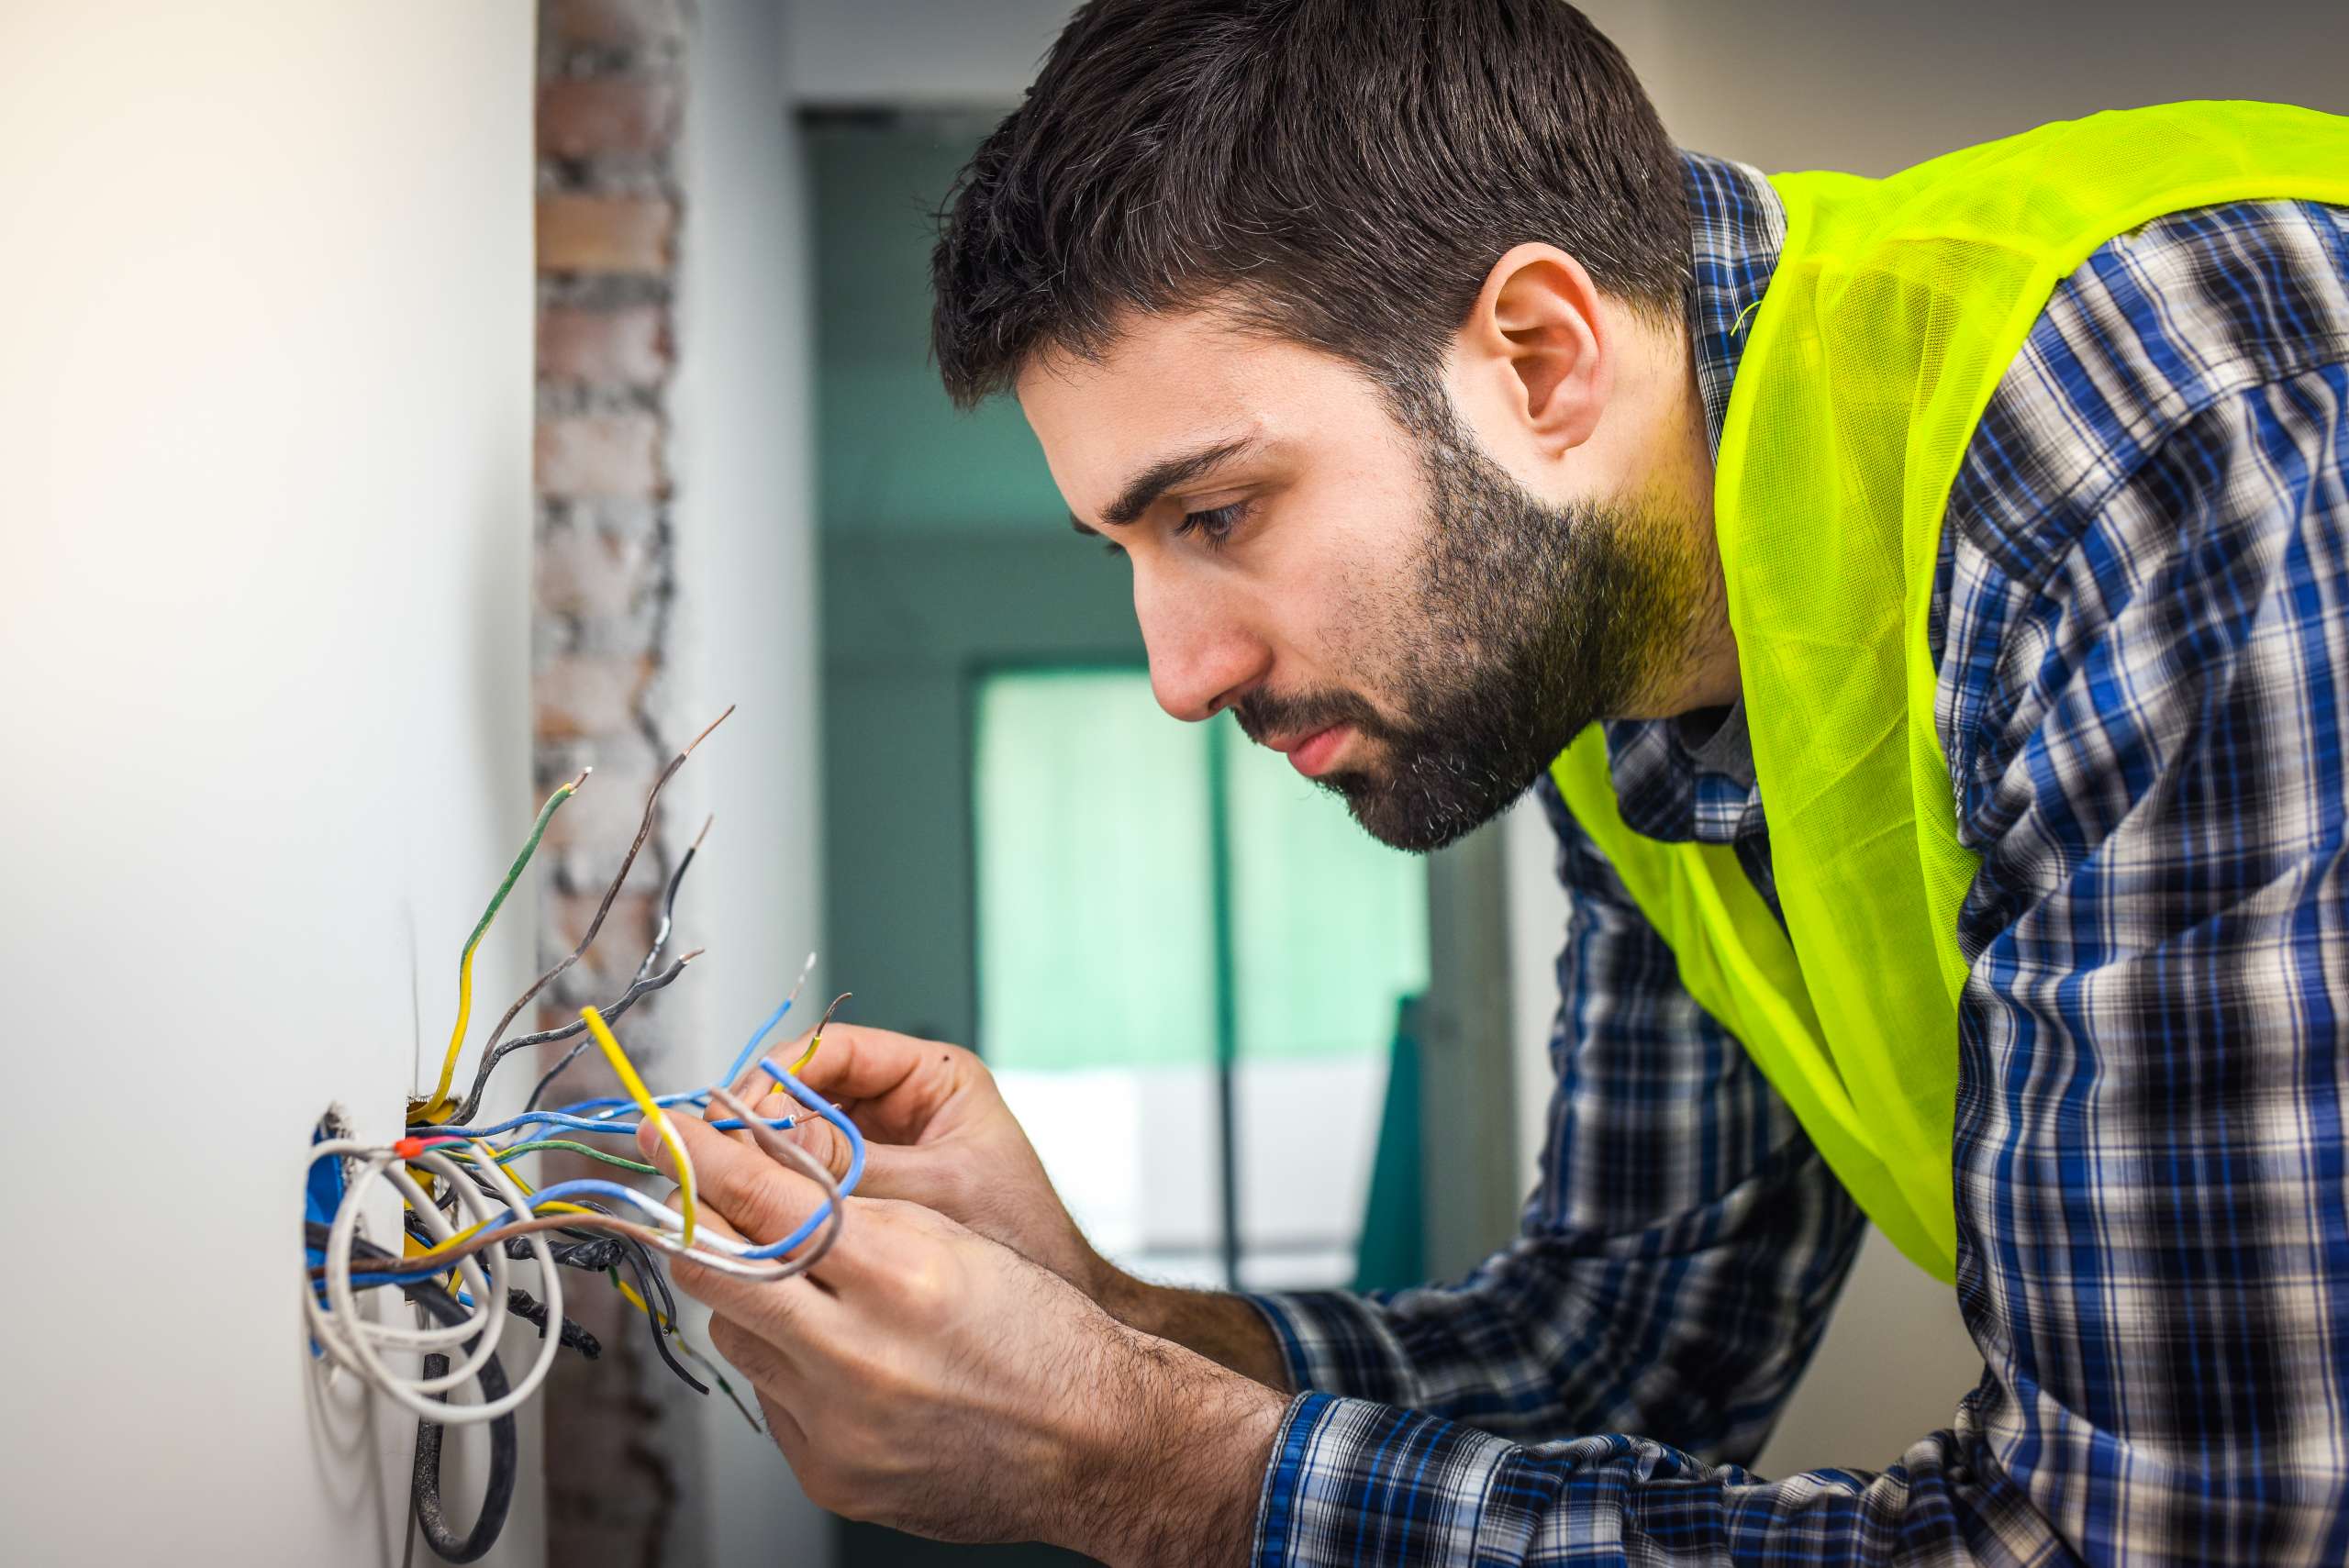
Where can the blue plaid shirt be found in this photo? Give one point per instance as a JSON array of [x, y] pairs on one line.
[[2142, 631]]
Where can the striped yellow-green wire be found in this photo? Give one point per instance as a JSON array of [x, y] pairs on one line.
[[516, 1150], [436, 1109], [626, 1070]]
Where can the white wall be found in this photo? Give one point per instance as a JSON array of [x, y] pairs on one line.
[[1871, 87], [264, 434], [930, 53], [746, 610]]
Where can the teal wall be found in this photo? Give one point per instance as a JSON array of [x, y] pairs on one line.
[[945, 550], [896, 458]]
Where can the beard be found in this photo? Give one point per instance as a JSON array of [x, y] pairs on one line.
[[1522, 622]]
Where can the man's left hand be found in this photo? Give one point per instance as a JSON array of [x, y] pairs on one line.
[[925, 1377]]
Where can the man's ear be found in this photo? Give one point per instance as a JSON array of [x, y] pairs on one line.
[[1534, 350]]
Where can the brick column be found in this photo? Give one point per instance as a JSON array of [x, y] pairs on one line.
[[620, 1439]]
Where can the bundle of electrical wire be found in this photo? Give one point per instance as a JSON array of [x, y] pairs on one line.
[[444, 1170]]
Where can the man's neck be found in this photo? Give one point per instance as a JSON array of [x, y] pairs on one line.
[[1676, 497]]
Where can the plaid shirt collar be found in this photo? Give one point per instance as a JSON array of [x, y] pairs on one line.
[[1737, 226]]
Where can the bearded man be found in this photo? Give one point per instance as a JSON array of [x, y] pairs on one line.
[[1923, 608]]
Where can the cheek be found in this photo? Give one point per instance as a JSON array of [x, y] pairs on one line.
[[1354, 618]]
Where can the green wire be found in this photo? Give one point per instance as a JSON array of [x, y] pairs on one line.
[[529, 848], [433, 1108], [591, 1152]]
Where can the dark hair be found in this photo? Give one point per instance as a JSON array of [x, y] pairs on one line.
[[1340, 173]]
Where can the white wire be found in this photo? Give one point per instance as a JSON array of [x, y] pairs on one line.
[[360, 1335], [351, 1339]]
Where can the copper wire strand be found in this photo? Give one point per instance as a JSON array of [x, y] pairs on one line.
[[465, 1113], [643, 832]]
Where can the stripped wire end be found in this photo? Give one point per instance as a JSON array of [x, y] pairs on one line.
[[817, 1040]]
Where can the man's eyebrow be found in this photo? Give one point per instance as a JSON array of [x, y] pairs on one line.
[[1142, 490]]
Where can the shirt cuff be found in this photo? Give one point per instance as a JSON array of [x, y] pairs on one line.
[[1339, 1343], [1353, 1481]]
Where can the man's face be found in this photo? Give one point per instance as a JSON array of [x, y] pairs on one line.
[[1381, 601]]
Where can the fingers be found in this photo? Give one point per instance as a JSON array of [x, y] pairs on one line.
[[763, 1201], [899, 1083]]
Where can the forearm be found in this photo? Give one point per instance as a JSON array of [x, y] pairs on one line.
[[1177, 1480], [1227, 1330]]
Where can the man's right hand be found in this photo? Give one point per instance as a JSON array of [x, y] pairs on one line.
[[938, 1133]]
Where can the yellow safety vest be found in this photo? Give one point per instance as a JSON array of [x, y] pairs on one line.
[[1894, 310]]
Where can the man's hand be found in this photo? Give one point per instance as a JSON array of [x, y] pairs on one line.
[[925, 1377], [940, 1135]]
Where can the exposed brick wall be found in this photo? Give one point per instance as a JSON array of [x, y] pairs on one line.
[[620, 1437]]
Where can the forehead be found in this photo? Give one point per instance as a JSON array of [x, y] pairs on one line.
[[1178, 382]]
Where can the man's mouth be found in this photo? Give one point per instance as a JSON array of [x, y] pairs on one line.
[[1313, 754]]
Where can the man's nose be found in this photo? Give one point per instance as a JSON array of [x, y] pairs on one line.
[[1201, 659]]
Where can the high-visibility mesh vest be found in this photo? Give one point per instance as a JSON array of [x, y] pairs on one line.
[[1896, 309]]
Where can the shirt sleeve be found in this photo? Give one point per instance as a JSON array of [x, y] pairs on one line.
[[2152, 1184], [1678, 1261]]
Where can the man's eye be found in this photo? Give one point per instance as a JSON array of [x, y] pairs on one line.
[[1215, 527]]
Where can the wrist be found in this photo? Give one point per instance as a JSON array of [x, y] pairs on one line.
[[1130, 1300], [1174, 1464]]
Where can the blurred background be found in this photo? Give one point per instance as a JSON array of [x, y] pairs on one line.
[[408, 405]]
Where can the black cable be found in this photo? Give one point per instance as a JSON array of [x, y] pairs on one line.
[[505, 1448], [645, 1288], [651, 954], [669, 899], [553, 1073], [594, 1255], [533, 1311]]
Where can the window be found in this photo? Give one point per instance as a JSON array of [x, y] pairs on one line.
[[1189, 962]]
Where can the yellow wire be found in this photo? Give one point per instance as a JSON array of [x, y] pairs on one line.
[[640, 1304], [805, 1058], [634, 1084], [469, 1232], [437, 1108]]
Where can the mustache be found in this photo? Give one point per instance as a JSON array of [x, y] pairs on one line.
[[1265, 714]]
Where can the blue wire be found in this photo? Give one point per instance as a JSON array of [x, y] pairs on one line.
[[756, 1041], [830, 1113], [689, 1097], [582, 1124], [782, 1075]]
